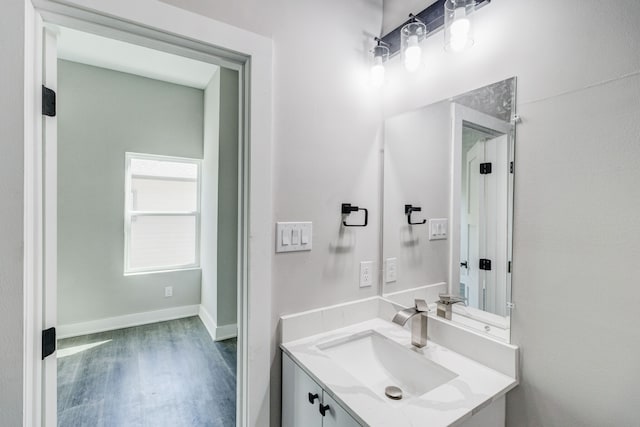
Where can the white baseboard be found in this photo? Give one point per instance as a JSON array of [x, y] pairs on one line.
[[126, 321], [217, 333], [208, 321], [225, 332]]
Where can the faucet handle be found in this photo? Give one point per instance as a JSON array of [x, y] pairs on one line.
[[449, 299], [421, 305]]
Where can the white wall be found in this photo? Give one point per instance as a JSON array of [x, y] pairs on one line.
[[326, 152], [576, 195], [419, 138], [12, 27], [101, 115]]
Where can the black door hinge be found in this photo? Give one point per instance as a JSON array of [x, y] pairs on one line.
[[485, 168], [509, 267], [485, 264], [48, 342], [48, 102], [510, 167]]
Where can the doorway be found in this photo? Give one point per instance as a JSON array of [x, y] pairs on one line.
[[482, 182], [483, 203], [162, 253], [189, 35]]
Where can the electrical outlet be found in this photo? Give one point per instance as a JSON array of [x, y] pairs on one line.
[[391, 270], [366, 274], [168, 291]]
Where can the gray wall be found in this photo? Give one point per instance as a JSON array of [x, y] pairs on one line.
[[576, 228], [419, 138], [228, 198], [209, 202], [103, 114], [11, 210], [220, 198]]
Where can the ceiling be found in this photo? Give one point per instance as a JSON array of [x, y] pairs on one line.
[[86, 48]]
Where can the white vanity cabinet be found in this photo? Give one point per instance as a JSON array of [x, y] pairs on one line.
[[306, 404]]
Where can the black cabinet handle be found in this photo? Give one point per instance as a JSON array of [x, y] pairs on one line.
[[323, 409], [313, 397]]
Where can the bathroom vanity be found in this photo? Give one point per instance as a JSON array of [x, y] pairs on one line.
[[339, 376]]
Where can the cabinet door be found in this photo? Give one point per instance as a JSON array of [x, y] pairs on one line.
[[297, 391], [336, 416]]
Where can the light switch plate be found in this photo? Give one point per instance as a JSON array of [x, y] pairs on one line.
[[294, 236], [438, 229], [391, 270]]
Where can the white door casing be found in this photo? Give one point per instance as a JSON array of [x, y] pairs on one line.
[[50, 203], [495, 206]]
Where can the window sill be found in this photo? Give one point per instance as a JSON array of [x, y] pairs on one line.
[[170, 270]]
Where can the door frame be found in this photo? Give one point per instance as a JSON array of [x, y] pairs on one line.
[[158, 25], [459, 115]]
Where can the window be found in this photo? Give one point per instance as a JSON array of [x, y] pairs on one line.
[[162, 213]]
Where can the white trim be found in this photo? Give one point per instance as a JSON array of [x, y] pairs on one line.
[[126, 321], [32, 366], [50, 225], [217, 333], [208, 321], [225, 332]]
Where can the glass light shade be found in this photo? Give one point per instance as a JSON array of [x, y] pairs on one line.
[[458, 34], [380, 56], [411, 36]]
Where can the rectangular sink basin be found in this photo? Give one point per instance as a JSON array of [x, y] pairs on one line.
[[378, 362]]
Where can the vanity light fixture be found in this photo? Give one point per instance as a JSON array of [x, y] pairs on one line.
[[457, 25], [412, 34], [453, 15], [380, 56]]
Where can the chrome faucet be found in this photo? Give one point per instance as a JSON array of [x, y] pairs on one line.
[[418, 325], [445, 305]]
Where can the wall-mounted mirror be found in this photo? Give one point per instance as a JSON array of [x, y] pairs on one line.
[[448, 205]]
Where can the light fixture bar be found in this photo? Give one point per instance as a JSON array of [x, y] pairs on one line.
[[432, 17]]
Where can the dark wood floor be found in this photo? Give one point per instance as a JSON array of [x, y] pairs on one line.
[[164, 374]]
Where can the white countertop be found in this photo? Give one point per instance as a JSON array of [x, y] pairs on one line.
[[474, 387]]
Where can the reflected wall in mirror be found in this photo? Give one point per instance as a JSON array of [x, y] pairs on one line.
[[448, 205]]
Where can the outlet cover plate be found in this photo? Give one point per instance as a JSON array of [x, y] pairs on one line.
[[366, 274], [391, 270]]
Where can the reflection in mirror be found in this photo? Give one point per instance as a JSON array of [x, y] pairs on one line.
[[451, 164]]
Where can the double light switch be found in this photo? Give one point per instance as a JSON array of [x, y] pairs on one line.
[[293, 236]]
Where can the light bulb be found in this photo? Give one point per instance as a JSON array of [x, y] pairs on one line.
[[459, 30], [412, 54], [377, 72]]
